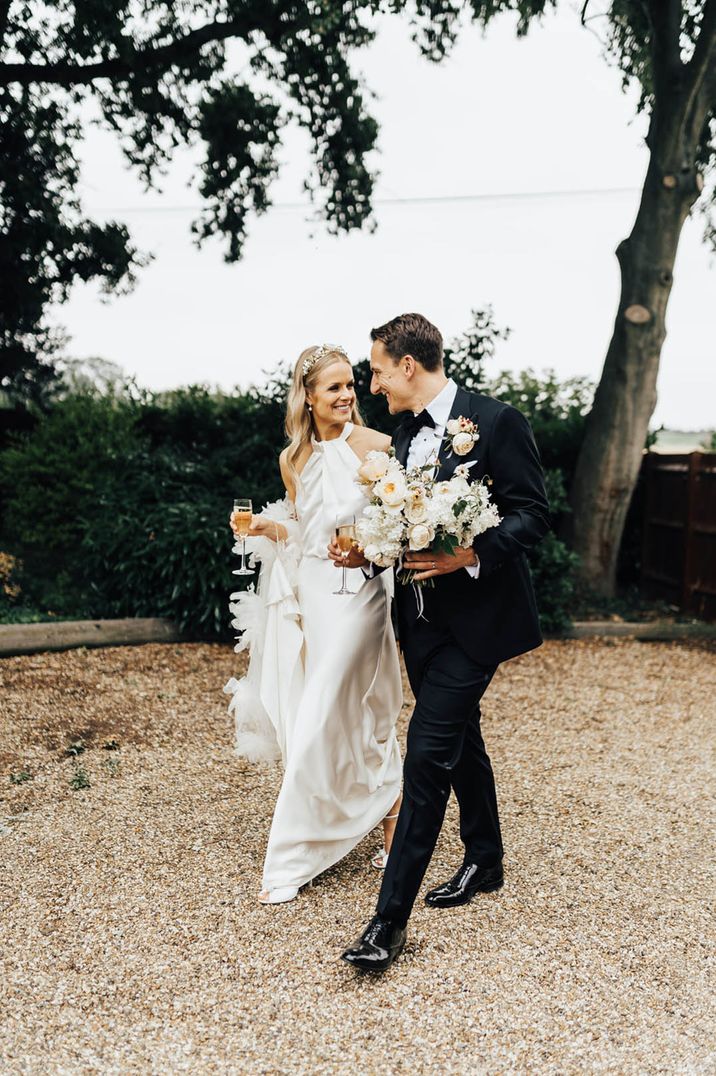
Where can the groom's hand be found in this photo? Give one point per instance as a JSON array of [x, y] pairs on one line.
[[355, 558], [429, 564]]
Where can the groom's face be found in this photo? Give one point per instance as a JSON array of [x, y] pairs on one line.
[[390, 379]]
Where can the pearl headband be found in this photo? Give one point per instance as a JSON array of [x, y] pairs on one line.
[[321, 351]]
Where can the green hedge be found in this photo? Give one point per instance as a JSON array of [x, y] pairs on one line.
[[117, 504], [119, 507]]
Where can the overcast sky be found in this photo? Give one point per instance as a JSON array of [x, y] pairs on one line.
[[521, 161]]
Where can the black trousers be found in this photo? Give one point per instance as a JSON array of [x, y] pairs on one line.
[[445, 750]]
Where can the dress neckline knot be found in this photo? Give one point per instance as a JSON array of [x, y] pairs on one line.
[[343, 436]]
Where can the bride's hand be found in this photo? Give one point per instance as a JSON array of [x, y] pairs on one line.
[[261, 527], [355, 558]]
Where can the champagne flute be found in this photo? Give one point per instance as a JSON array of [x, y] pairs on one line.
[[242, 519], [345, 539]]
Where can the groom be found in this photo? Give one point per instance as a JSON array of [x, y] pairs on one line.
[[480, 611]]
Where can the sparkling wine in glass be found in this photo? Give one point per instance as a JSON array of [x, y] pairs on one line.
[[242, 521], [345, 540]]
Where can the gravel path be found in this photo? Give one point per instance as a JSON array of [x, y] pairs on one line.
[[132, 942]]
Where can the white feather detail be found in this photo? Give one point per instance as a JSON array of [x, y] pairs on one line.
[[256, 736], [249, 617]]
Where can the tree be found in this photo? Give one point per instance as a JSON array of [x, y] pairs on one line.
[[667, 48], [670, 48], [161, 75], [466, 355]]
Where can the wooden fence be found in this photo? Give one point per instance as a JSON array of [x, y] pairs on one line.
[[679, 547]]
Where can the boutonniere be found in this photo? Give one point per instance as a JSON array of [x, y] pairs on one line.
[[463, 435]]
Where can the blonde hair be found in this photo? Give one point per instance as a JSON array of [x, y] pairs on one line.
[[299, 423]]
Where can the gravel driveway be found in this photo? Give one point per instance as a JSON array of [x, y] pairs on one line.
[[132, 941]]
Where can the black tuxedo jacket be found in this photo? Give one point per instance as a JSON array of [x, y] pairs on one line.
[[493, 617]]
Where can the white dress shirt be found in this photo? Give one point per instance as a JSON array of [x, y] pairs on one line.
[[425, 445]]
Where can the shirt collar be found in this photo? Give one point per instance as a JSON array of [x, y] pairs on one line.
[[439, 409]]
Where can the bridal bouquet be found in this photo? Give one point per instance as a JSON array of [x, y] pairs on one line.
[[410, 510]]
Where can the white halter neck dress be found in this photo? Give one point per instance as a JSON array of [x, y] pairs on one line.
[[329, 681]]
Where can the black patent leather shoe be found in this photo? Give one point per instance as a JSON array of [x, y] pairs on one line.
[[468, 881], [378, 946]]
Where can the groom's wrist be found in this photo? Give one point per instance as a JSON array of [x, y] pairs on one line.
[[473, 565], [468, 556]]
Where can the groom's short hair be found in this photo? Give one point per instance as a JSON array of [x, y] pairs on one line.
[[411, 334]]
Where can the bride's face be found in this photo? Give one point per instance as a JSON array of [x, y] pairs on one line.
[[333, 396]]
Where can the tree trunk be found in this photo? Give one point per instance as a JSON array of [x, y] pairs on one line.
[[611, 453]]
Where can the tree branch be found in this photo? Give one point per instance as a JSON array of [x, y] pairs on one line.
[[585, 21], [701, 76], [705, 104], [4, 11], [665, 19], [122, 67], [704, 49]]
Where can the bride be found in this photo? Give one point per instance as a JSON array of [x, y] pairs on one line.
[[323, 689]]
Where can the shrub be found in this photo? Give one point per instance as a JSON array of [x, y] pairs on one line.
[[10, 589], [51, 476], [51, 479], [118, 502], [119, 505], [167, 550], [557, 411], [13, 605], [554, 566]]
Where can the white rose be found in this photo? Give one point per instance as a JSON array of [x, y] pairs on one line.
[[392, 515], [419, 536], [373, 467], [462, 443], [453, 426], [417, 510], [463, 469], [392, 490], [459, 484]]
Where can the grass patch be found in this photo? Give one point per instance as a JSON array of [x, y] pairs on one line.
[[20, 778]]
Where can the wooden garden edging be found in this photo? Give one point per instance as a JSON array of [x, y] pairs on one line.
[[658, 630], [65, 635]]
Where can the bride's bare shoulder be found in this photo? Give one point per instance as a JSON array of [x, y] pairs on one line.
[[286, 474], [363, 439]]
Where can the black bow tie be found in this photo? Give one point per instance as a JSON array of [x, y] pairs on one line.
[[417, 422]]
